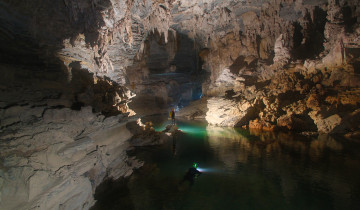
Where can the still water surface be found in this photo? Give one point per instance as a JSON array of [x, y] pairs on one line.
[[242, 170]]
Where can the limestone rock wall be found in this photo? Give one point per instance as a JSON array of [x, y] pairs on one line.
[[106, 36], [295, 65], [242, 44], [55, 158]]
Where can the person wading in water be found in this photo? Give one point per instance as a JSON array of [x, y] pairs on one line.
[[172, 115]]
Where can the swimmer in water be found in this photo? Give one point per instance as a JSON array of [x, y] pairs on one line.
[[191, 174]]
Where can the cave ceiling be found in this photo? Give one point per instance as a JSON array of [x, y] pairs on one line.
[[107, 36]]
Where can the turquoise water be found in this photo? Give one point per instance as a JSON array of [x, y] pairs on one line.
[[242, 170]]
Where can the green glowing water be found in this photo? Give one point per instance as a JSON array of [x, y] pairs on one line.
[[241, 170]]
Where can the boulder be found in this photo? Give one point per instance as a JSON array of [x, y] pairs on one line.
[[225, 112], [329, 124], [295, 123]]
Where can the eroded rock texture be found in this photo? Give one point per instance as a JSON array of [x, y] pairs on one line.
[[292, 62], [54, 158], [262, 64]]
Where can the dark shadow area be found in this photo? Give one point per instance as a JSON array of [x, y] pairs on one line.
[[308, 42], [349, 19], [249, 80], [305, 123], [352, 57], [241, 170], [174, 77], [113, 194], [240, 63], [251, 114], [29, 64], [157, 50], [357, 67], [229, 94], [289, 97], [261, 85], [77, 105], [190, 176], [178, 54], [22, 39], [299, 123], [186, 58], [297, 38]]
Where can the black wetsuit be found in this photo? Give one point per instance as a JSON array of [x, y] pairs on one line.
[[190, 175]]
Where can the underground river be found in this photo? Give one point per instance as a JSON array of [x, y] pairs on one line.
[[241, 169]]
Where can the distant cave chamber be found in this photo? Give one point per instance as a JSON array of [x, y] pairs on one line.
[[171, 76]]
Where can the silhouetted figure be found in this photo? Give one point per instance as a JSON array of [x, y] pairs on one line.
[[190, 175], [173, 116]]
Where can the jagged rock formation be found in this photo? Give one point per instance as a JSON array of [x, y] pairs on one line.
[[292, 74], [253, 40], [279, 64], [144, 134], [55, 158]]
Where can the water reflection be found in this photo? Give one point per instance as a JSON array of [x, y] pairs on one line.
[[174, 139], [229, 145], [301, 164], [323, 142], [246, 170]]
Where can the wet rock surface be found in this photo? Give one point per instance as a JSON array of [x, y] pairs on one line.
[[54, 158], [145, 134]]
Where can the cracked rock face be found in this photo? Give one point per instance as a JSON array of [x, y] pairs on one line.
[[57, 157]]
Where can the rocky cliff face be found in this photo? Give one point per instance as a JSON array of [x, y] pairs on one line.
[[55, 158], [279, 64], [299, 73], [291, 65]]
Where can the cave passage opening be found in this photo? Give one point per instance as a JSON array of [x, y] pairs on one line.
[[172, 73]]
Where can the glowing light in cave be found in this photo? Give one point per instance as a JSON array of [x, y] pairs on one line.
[[195, 131]]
